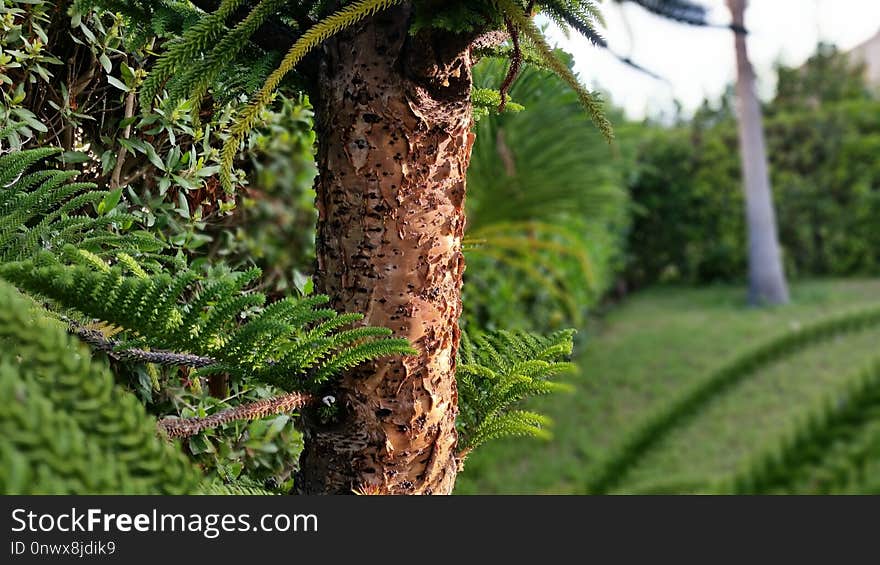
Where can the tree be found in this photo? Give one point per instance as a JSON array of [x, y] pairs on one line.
[[392, 93], [391, 84], [767, 283]]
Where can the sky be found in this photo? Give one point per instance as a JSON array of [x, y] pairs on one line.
[[699, 62]]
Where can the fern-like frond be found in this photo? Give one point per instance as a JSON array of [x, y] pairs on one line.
[[590, 101], [182, 52], [683, 11], [497, 371], [13, 165], [85, 263], [292, 345], [237, 488], [195, 79], [578, 15], [45, 210]]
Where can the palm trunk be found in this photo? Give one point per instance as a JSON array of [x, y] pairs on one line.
[[766, 277], [394, 142]]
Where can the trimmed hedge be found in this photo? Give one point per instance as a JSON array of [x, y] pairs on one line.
[[632, 450]]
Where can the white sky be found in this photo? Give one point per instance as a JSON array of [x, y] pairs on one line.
[[699, 62]]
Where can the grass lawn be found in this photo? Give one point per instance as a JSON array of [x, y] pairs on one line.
[[645, 352]]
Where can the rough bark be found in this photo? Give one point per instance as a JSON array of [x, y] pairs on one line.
[[767, 283], [394, 142]]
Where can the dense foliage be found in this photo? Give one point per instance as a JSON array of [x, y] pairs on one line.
[[823, 131], [118, 292], [172, 327], [546, 209], [147, 260], [65, 427]]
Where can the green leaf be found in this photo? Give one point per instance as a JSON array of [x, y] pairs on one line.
[[164, 185], [304, 284], [33, 122], [276, 426], [154, 157], [88, 33], [117, 83], [127, 74], [105, 62], [74, 157], [183, 205], [198, 444], [110, 201]]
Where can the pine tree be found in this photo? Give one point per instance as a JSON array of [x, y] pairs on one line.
[[392, 88], [391, 84]]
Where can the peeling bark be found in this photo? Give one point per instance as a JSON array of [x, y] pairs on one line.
[[394, 142]]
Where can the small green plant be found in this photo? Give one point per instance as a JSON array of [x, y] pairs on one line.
[[496, 372]]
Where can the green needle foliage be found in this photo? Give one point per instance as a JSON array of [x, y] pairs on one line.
[[64, 425], [237, 488], [292, 343], [526, 25], [192, 64], [44, 210], [495, 372], [580, 16], [180, 53], [684, 11]]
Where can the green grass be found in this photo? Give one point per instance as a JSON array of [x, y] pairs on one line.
[[653, 347]]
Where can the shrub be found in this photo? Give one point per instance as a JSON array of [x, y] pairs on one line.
[[823, 137]]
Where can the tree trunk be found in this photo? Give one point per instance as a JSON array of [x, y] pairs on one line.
[[394, 142], [766, 277]]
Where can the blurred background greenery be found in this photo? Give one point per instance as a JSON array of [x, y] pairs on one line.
[[670, 308]]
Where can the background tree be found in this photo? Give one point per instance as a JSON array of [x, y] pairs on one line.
[[767, 284], [820, 129]]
